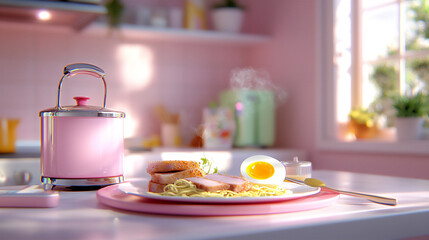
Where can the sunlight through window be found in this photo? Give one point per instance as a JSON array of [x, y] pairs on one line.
[[380, 52], [342, 60]]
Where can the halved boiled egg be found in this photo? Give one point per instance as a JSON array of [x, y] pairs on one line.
[[263, 170]]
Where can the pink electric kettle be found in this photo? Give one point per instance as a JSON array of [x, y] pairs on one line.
[[82, 145]]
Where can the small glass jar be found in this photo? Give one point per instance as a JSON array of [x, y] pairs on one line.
[[296, 169]]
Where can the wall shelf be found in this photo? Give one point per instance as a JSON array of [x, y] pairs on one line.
[[132, 31]]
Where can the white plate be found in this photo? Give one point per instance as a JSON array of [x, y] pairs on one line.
[[140, 188]]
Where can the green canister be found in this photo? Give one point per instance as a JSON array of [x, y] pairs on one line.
[[265, 129], [254, 115]]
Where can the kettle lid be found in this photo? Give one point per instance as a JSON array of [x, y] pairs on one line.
[[81, 109]]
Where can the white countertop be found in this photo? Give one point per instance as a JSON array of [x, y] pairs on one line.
[[80, 216]]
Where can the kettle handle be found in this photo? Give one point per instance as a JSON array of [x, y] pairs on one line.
[[82, 68]]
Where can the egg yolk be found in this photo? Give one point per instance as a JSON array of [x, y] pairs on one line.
[[260, 170]]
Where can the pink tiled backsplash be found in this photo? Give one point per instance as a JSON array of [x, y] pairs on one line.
[[184, 77]]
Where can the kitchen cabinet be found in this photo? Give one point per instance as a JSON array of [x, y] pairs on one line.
[[84, 23], [83, 17]]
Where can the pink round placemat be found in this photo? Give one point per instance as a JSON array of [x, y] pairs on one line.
[[113, 197]]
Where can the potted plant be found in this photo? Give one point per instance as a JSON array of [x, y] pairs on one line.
[[227, 16], [410, 111], [114, 10], [384, 78], [362, 123]]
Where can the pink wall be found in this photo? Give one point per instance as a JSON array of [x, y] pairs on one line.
[[184, 77], [290, 59]]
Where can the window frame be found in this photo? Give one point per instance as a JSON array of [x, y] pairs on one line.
[[326, 135]]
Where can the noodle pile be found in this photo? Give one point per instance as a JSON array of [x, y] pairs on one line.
[[184, 188]]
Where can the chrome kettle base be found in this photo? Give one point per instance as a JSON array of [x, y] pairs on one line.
[[81, 183]]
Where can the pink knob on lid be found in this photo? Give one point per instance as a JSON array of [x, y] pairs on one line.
[[81, 101]]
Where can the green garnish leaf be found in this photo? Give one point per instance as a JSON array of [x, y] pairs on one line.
[[207, 166]]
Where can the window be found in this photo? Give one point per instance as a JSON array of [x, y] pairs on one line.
[[377, 49]]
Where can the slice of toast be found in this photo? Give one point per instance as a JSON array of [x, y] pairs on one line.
[[171, 166], [156, 187], [171, 177]]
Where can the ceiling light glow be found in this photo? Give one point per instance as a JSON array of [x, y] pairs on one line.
[[44, 15]]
